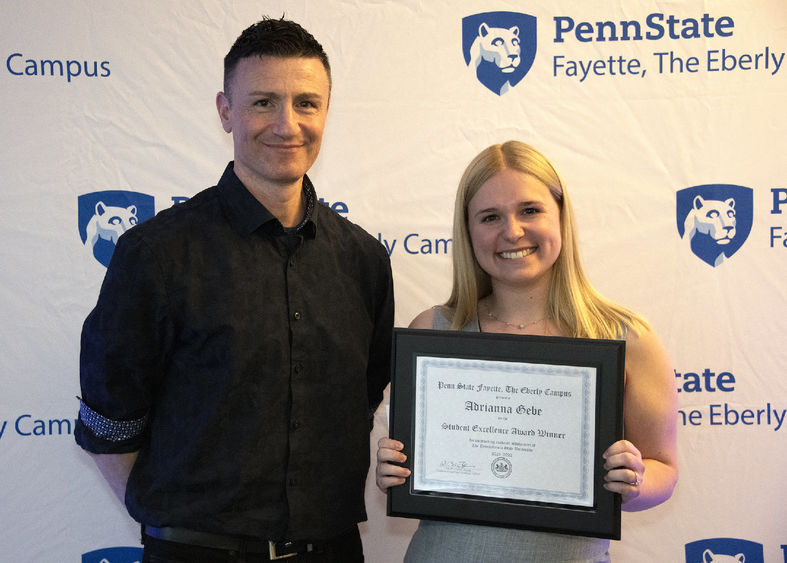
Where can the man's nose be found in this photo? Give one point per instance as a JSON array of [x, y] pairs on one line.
[[286, 124]]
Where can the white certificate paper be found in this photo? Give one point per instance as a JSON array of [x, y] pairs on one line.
[[503, 429]]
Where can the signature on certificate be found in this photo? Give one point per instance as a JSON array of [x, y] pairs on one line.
[[450, 466]]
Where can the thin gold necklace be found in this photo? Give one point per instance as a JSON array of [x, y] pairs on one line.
[[517, 326]]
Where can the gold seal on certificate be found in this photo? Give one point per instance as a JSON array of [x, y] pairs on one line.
[[506, 429]]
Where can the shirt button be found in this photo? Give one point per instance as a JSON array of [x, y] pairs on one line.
[[295, 425], [293, 482], [297, 315], [298, 368]]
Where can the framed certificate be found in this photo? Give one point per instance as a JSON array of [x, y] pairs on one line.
[[507, 430]]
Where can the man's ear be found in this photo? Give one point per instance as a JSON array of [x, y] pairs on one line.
[[223, 107]]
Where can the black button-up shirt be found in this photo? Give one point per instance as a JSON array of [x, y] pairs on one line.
[[243, 362]]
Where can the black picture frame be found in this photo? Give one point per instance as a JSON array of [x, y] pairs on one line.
[[602, 519]]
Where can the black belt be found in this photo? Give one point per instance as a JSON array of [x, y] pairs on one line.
[[275, 550]]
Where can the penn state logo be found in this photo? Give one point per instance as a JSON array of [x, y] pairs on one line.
[[724, 550], [714, 220], [114, 555], [499, 47], [104, 216]]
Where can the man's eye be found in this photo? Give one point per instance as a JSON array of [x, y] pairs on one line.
[[262, 103]]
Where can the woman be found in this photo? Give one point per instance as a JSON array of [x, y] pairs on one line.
[[517, 270]]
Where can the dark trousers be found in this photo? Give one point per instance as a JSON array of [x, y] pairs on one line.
[[345, 548]]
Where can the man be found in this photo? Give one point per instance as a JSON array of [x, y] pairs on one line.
[[241, 341]]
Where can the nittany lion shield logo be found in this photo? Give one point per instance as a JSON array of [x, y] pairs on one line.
[[499, 47], [714, 220], [114, 555], [724, 550], [104, 216]]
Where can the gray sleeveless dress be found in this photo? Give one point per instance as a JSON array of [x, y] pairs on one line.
[[448, 542]]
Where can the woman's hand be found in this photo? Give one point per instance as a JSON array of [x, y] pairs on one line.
[[389, 475], [625, 470]]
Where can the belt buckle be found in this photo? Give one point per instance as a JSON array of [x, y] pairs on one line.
[[273, 552]]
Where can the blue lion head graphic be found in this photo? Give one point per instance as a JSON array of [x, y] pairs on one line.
[[113, 555], [104, 216], [714, 220], [724, 550], [499, 47]]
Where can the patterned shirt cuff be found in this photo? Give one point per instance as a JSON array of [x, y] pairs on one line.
[[108, 429]]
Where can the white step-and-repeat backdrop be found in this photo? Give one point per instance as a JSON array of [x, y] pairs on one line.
[[649, 110]]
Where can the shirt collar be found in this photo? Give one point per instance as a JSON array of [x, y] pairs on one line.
[[246, 214]]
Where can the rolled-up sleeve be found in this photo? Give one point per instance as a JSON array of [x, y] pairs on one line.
[[123, 346]]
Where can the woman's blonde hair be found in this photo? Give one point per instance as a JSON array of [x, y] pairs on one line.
[[572, 303]]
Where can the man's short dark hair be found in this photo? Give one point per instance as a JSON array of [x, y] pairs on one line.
[[273, 38]]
